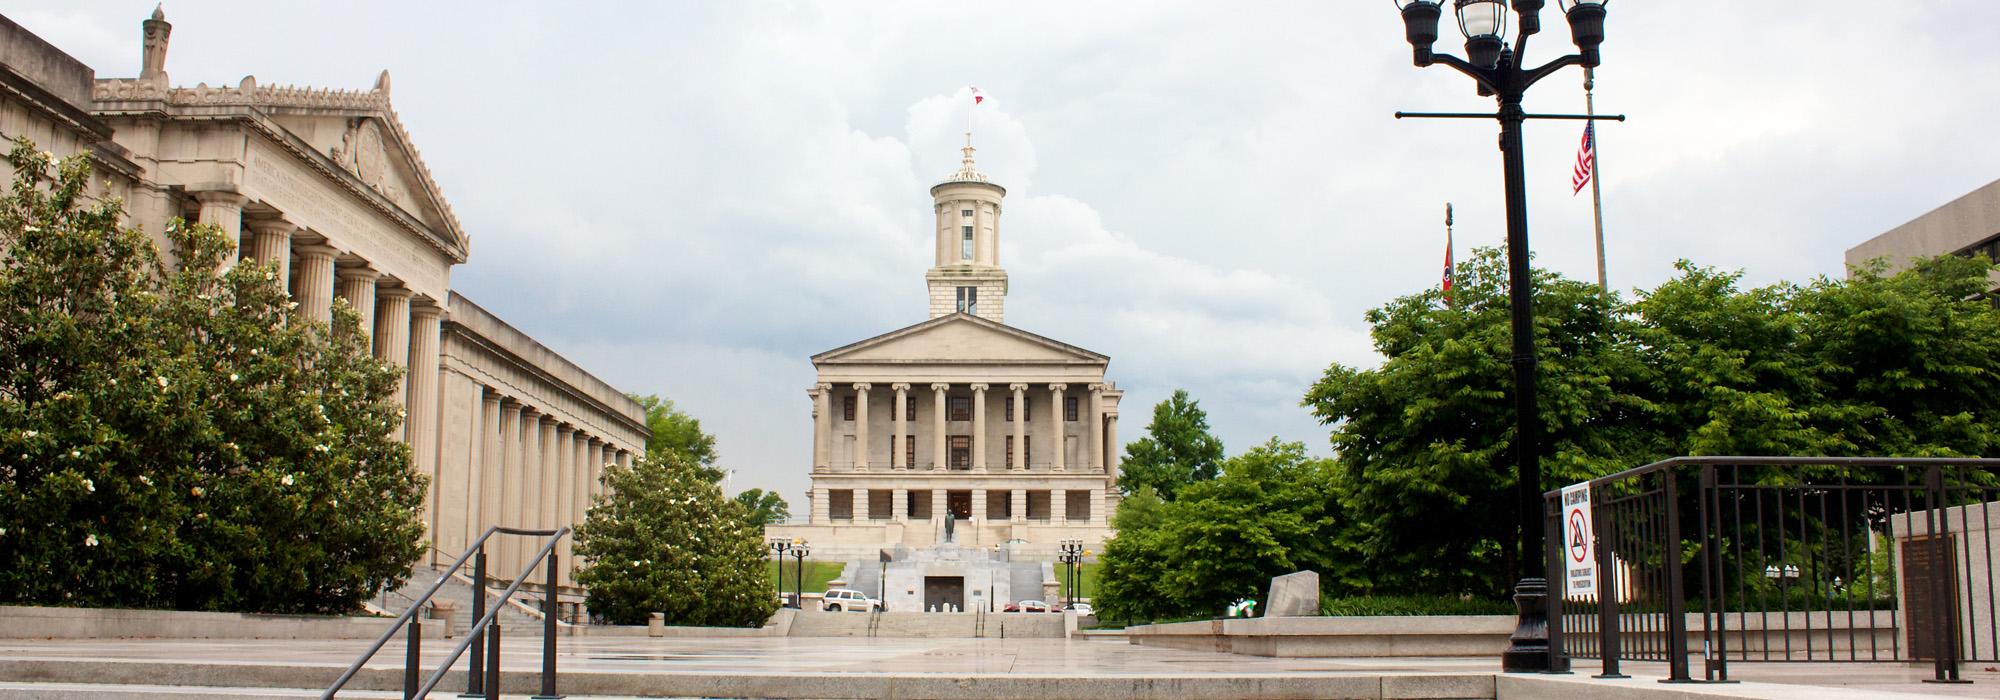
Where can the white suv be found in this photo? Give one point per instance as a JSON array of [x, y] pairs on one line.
[[848, 600]]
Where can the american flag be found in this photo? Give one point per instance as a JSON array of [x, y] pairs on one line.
[[1586, 159]]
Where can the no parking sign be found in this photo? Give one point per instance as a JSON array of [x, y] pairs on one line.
[[1578, 542]]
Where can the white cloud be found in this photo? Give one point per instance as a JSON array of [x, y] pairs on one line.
[[691, 199]]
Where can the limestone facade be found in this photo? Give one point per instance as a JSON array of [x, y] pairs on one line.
[[1013, 434], [325, 187], [1967, 225]]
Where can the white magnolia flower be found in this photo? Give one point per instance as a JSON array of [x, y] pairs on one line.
[[114, 381], [75, 453], [3, 531], [162, 381], [201, 516], [287, 480], [89, 486], [320, 447], [30, 433], [90, 541], [143, 479], [197, 491], [270, 275], [232, 376]]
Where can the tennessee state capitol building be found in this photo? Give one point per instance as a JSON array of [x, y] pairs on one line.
[[1012, 434]]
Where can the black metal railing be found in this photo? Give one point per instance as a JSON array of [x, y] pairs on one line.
[[1785, 559], [483, 639]]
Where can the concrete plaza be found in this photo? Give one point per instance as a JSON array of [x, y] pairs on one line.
[[785, 667]]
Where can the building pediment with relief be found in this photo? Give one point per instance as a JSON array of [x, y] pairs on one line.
[[959, 339]]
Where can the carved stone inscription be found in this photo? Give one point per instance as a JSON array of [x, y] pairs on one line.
[[274, 178]]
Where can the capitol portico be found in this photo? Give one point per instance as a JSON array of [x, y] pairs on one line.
[[1011, 434]]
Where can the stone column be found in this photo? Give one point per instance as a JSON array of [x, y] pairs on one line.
[[1058, 505], [1111, 436], [392, 336], [529, 505], [1018, 509], [897, 458], [979, 427], [899, 505], [821, 500], [490, 464], [1095, 414], [580, 474], [223, 210], [860, 499], [551, 475], [421, 414], [357, 286], [978, 506], [315, 287], [861, 426], [271, 241], [509, 513], [595, 453], [571, 511], [940, 450], [1057, 419], [822, 429], [1020, 425]]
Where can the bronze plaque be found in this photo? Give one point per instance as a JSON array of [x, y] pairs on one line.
[[1929, 568]]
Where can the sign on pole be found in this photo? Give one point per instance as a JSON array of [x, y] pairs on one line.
[[1579, 543]]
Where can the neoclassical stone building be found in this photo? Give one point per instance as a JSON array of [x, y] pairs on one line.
[[1013, 434], [326, 187]]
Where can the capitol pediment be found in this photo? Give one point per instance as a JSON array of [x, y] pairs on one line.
[[960, 339]]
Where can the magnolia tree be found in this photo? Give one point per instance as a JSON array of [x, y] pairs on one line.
[[665, 540], [176, 438]]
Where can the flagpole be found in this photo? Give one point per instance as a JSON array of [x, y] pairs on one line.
[[1596, 174]]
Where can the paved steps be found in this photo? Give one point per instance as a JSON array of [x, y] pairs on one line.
[[916, 625], [513, 620]]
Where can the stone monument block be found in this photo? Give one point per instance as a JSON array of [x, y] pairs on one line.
[[1293, 595]]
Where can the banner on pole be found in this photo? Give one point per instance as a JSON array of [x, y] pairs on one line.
[[1579, 543]]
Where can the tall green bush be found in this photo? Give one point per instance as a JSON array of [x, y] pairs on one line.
[[175, 438], [664, 539]]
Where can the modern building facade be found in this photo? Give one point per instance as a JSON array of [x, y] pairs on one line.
[[326, 187], [1964, 226], [1009, 435]]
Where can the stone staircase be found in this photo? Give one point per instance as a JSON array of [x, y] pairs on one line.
[[920, 625], [514, 619]]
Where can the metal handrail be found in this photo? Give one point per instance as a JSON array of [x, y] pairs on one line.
[[491, 621], [398, 626]]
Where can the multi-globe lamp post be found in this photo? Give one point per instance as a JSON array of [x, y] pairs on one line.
[[799, 553], [1070, 552], [1500, 73], [778, 547]]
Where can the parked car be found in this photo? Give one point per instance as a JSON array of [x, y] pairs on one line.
[[848, 600], [1082, 608], [1028, 606]]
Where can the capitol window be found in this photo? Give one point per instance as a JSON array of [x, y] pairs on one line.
[[968, 300], [965, 248]]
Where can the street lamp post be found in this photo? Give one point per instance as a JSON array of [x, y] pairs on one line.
[[1499, 73], [1069, 553], [778, 547], [799, 552]]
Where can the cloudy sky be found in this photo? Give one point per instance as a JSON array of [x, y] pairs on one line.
[[690, 199]]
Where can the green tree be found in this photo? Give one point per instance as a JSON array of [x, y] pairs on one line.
[[764, 507], [1425, 440], [671, 430], [175, 438], [1270, 512], [1178, 449], [666, 540]]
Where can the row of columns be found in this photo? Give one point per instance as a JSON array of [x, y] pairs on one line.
[[402, 330], [899, 504], [1100, 426], [533, 471]]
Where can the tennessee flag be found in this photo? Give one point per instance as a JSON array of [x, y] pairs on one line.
[[977, 96], [1447, 254]]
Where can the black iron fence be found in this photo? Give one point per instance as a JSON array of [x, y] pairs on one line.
[[1708, 560]]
